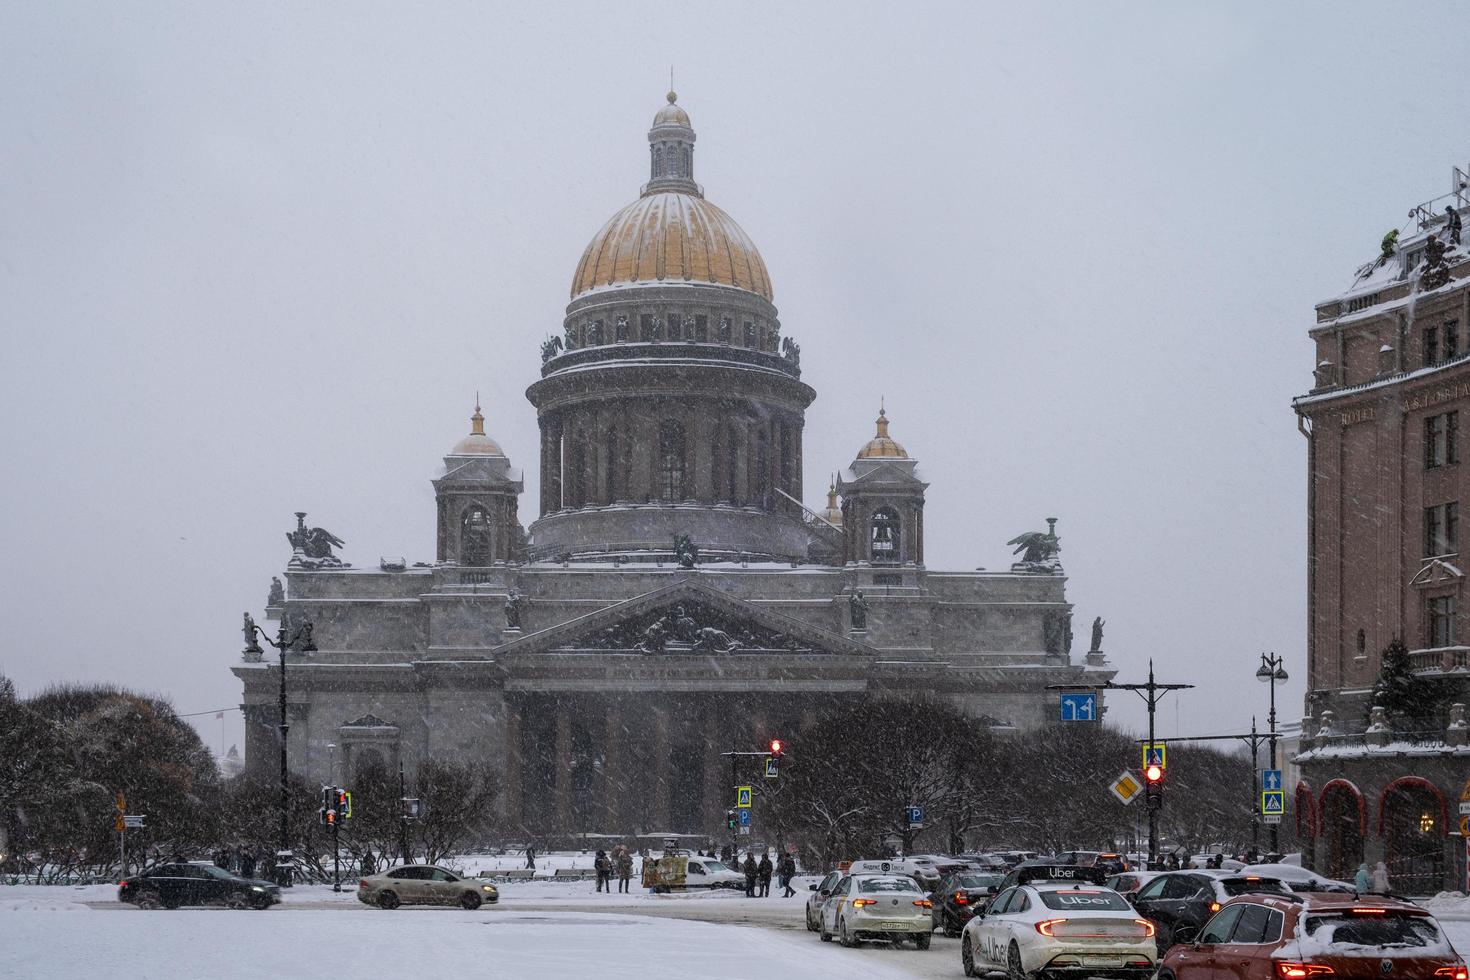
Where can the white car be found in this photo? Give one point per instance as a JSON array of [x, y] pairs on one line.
[[878, 906], [1299, 879], [710, 873], [818, 897], [1059, 928]]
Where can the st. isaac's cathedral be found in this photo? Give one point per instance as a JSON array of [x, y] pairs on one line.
[[673, 598]]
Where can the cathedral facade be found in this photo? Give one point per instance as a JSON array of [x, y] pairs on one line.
[[673, 598]]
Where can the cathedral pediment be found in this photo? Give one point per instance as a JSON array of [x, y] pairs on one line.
[[686, 618], [889, 473]]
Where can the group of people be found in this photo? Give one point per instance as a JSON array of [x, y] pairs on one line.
[[620, 862], [758, 875], [1371, 882]]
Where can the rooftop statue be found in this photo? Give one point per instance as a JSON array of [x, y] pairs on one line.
[[550, 347], [277, 595], [1097, 630], [314, 544]]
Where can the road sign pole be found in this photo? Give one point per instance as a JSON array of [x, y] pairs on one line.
[[1255, 794], [336, 854]]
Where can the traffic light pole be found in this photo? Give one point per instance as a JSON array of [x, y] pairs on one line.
[[735, 788], [336, 857], [1151, 692]]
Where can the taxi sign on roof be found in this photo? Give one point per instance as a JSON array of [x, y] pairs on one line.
[[1060, 872]]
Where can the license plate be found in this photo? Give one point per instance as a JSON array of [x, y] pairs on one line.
[[1100, 961], [893, 925]]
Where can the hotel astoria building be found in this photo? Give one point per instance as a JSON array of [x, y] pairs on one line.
[[673, 597], [1388, 470]]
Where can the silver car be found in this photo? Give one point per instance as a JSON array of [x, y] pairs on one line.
[[878, 906], [425, 884], [818, 898]]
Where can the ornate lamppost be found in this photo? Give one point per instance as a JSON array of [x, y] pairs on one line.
[[1272, 669], [300, 639]]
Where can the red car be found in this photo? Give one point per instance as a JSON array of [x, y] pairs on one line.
[[1265, 937]]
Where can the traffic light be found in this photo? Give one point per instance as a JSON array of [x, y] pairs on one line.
[[342, 803], [775, 748], [1154, 775], [1153, 787], [730, 820]]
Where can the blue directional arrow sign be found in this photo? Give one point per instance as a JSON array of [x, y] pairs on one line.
[[1270, 779], [1079, 707], [745, 818], [1273, 802]]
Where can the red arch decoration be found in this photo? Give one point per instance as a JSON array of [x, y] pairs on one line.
[[1305, 806], [1357, 794], [1420, 781]]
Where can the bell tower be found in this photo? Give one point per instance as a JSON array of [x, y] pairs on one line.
[[882, 503], [477, 497]]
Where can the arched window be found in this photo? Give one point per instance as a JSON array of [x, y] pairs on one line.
[[658, 162], [614, 465], [474, 537], [885, 531], [671, 460]]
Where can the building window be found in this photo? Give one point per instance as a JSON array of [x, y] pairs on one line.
[[885, 531], [1449, 340], [474, 537], [749, 334], [1431, 346], [671, 461], [701, 328], [1362, 643], [1441, 440], [1442, 632], [1441, 530]]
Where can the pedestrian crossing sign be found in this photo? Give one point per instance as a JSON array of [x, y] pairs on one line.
[[742, 797], [1155, 755], [1273, 802]]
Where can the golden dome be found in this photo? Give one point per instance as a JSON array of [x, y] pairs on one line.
[[670, 236], [671, 114], [881, 446], [477, 443]]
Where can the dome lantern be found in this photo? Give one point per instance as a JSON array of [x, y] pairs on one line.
[[882, 445], [671, 152]]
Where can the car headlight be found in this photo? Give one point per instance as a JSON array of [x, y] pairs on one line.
[[488, 888], [256, 888]]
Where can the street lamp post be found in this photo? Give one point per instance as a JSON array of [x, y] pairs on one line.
[[1272, 669], [283, 643]]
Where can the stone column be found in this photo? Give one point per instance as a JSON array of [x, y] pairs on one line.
[[562, 809], [512, 764], [614, 785], [659, 812], [716, 773]]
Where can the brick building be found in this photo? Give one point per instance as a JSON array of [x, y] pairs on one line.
[[1385, 483]]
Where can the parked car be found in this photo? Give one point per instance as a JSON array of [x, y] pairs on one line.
[[1326, 935], [425, 884], [710, 873], [1048, 927], [1299, 879], [1178, 900], [172, 885], [1129, 882], [819, 893], [961, 896], [889, 907], [1110, 862]]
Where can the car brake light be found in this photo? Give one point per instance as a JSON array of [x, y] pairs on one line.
[[362, 883], [1214, 906], [1148, 928], [858, 903], [1367, 911], [1045, 926], [1453, 972], [924, 903], [960, 898], [123, 883], [1297, 971]]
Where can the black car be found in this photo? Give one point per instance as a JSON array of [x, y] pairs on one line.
[[959, 896], [171, 885], [1177, 899]]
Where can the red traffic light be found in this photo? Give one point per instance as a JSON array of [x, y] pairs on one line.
[[1153, 774], [775, 746]]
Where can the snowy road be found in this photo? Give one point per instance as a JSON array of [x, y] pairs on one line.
[[540, 931]]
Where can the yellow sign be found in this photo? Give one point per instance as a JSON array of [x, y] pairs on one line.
[[118, 825], [742, 797], [1465, 793], [1126, 787], [1156, 755]]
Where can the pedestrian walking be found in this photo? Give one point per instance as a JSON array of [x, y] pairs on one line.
[[1362, 881], [751, 873], [247, 864], [763, 873], [787, 870], [623, 862], [1380, 878], [603, 867]]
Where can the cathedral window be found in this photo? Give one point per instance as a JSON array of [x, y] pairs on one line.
[[645, 326], [671, 461], [474, 538], [701, 328], [724, 337], [884, 534], [658, 162]]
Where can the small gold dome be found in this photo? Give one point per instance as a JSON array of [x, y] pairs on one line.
[[881, 446], [671, 114], [477, 443], [672, 237]]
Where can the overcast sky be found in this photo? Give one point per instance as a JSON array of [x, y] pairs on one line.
[[257, 259]]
